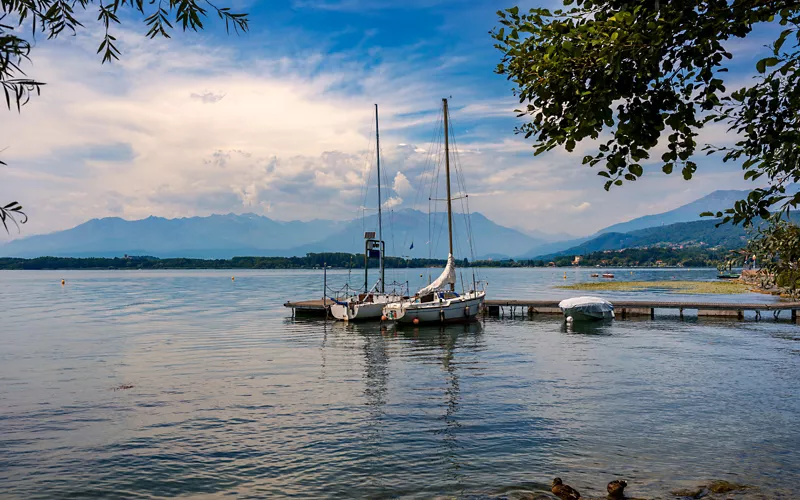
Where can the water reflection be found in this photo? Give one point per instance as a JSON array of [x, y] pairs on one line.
[[603, 327], [450, 347]]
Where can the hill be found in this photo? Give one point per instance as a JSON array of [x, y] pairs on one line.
[[404, 227], [702, 233], [226, 236], [718, 200]]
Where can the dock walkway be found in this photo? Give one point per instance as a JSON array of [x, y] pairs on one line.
[[623, 308]]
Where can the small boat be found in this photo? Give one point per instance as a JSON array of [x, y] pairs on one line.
[[586, 308], [438, 302], [369, 305], [728, 276], [594, 275], [608, 275]]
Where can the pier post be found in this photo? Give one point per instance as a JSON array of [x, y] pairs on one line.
[[723, 313]]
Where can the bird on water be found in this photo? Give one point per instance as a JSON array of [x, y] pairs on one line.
[[564, 491], [616, 488]]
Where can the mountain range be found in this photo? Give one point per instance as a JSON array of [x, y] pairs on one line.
[[406, 232]]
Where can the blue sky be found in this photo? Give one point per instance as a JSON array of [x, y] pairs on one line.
[[278, 122]]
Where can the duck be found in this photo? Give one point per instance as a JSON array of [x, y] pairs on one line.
[[616, 488], [564, 491]]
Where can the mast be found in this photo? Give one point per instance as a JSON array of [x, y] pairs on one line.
[[380, 222], [447, 173]]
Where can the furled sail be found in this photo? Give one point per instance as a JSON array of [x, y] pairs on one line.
[[447, 277]]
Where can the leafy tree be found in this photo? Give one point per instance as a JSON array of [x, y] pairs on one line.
[[52, 18], [646, 72]]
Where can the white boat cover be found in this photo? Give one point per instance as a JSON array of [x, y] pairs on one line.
[[588, 304], [447, 277]]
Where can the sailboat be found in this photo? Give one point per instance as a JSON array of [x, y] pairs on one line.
[[370, 304], [438, 302]]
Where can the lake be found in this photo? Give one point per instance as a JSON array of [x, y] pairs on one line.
[[144, 384]]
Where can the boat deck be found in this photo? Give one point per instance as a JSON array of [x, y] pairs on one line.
[[623, 308]]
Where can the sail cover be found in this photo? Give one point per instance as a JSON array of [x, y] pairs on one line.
[[447, 277]]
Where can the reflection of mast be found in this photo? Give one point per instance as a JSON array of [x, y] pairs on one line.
[[376, 378], [448, 337]]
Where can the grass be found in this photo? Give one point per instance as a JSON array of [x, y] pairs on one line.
[[689, 287]]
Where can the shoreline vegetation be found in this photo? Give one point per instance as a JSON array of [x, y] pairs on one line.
[[633, 257]]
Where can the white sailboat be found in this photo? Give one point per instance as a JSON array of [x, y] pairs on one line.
[[438, 302], [370, 304]]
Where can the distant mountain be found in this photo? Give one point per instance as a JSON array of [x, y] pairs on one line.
[[695, 233], [716, 201], [546, 237], [547, 248], [226, 236], [216, 236], [404, 227]]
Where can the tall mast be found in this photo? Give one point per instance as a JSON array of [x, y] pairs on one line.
[[380, 222], [447, 173]]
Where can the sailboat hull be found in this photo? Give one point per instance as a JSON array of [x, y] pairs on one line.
[[460, 309], [359, 310]]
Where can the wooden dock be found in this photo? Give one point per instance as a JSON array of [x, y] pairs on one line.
[[623, 308]]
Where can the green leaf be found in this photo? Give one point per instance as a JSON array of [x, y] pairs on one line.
[[636, 169]]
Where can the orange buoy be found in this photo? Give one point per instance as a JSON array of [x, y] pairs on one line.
[[416, 321], [383, 318], [233, 278], [63, 282]]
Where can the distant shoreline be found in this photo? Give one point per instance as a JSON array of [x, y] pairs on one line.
[[654, 258]]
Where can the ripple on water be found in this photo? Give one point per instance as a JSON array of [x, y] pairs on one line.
[[230, 396]]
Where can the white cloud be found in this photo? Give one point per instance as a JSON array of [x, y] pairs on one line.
[[146, 136], [401, 185], [582, 207]]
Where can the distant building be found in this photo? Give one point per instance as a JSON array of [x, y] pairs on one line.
[[576, 261]]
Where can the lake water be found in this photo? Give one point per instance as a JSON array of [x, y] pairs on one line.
[[231, 397]]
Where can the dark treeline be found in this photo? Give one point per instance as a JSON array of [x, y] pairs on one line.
[[632, 257], [310, 261]]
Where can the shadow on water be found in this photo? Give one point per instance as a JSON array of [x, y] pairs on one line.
[[601, 328]]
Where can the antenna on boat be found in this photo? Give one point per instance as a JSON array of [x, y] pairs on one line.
[[380, 222], [447, 174]]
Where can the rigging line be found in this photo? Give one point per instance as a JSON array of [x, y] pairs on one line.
[[465, 199], [434, 177], [365, 186], [391, 213], [427, 169]]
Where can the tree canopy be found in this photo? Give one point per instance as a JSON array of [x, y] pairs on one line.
[[52, 18], [642, 76]]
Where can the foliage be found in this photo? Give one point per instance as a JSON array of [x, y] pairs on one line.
[[640, 75], [54, 17], [10, 212], [779, 252], [624, 258], [310, 261]]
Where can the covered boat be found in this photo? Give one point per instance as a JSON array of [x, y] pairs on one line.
[[586, 308]]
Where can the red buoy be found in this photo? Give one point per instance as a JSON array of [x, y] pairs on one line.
[[416, 321]]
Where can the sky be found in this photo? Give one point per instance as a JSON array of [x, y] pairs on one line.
[[279, 122]]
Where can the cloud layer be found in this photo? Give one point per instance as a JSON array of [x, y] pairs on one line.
[[186, 127]]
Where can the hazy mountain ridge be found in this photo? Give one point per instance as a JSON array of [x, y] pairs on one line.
[[230, 235], [226, 236], [695, 233], [713, 202]]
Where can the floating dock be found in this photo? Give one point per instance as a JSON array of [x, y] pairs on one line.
[[623, 308]]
